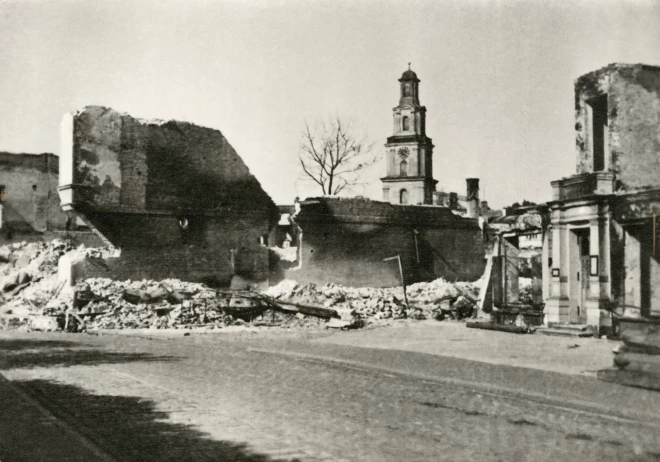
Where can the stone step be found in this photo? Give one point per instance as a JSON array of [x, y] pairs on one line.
[[563, 332]]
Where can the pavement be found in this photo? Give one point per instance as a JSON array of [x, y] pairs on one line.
[[566, 355], [413, 391]]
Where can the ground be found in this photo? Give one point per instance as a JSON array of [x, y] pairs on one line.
[[413, 392]]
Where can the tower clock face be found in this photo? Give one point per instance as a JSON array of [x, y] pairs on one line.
[[404, 153]]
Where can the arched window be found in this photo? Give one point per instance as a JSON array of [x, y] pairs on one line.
[[403, 196], [407, 90], [406, 123], [403, 168]]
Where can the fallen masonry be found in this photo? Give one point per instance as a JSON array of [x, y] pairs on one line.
[[34, 299]]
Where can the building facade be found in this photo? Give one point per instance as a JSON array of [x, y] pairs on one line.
[[605, 263], [409, 152]]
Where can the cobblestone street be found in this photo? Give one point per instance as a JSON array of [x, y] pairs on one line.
[[252, 397]]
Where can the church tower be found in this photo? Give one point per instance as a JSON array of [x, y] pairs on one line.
[[409, 152]]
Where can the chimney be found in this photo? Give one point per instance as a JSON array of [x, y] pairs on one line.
[[472, 197], [453, 201]]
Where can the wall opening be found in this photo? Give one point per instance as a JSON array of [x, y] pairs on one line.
[[403, 168], [406, 123], [599, 132], [403, 196]]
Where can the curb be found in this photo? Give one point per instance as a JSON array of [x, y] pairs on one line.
[[577, 406]]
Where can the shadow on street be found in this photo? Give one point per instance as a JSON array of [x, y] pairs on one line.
[[129, 428], [125, 427], [19, 353]]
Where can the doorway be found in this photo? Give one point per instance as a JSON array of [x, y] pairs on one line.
[[579, 276]]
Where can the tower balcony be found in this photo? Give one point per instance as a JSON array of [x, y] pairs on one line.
[[583, 185]]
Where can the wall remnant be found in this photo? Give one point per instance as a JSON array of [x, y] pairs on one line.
[[29, 205], [344, 241], [175, 197]]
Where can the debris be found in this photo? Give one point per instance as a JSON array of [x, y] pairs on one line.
[[495, 326], [34, 292], [43, 323]]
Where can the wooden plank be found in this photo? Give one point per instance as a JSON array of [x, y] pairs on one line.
[[485, 302], [309, 310]]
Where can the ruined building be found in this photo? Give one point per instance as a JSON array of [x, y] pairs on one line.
[[409, 152], [605, 260], [29, 205], [175, 198], [345, 241]]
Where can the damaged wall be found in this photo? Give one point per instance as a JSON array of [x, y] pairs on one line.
[[632, 94], [345, 241], [30, 203], [174, 197]]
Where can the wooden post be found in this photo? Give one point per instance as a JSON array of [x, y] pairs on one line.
[[415, 233], [403, 282]]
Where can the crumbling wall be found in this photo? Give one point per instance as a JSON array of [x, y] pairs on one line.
[[174, 197], [635, 133], [30, 201], [345, 241], [633, 121]]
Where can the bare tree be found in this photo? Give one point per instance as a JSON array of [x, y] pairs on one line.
[[333, 157]]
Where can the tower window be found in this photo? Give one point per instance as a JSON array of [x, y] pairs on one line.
[[407, 91], [403, 196], [403, 168], [599, 131], [406, 123]]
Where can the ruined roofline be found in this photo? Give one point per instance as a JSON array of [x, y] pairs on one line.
[[367, 211], [44, 162], [27, 154], [617, 66], [144, 121], [141, 120]]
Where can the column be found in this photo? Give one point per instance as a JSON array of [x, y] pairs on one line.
[[557, 305], [593, 299]]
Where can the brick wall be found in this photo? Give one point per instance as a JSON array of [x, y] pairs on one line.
[[31, 204], [345, 241], [174, 197]]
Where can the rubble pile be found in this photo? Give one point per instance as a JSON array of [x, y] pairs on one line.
[[438, 299], [32, 298], [28, 279], [106, 304]]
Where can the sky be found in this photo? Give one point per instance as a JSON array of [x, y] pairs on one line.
[[496, 76]]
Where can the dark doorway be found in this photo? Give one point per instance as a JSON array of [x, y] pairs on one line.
[[599, 131]]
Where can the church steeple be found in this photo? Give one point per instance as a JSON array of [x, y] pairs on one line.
[[409, 115], [409, 153], [409, 88]]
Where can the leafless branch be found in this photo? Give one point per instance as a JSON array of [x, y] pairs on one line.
[[333, 157]]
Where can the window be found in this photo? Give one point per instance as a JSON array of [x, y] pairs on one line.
[[403, 196], [407, 89], [406, 123], [403, 168], [599, 131]]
